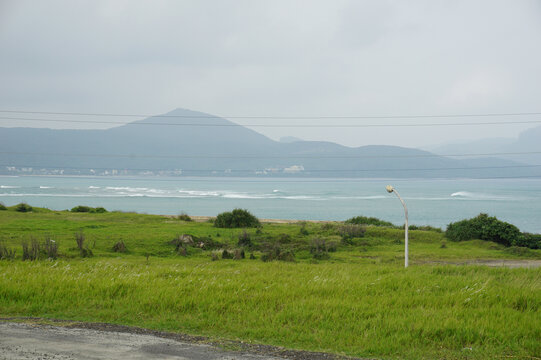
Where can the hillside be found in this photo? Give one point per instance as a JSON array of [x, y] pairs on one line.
[[194, 143]]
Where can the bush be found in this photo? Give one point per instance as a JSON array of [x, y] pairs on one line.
[[273, 251], [484, 227], [3, 207], [81, 208], [532, 241], [23, 207], [88, 209], [351, 231], [364, 220], [319, 249], [424, 228], [184, 217], [237, 218]]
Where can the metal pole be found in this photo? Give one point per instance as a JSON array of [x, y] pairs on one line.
[[391, 189], [406, 226]]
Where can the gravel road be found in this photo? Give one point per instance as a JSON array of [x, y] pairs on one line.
[[30, 340]]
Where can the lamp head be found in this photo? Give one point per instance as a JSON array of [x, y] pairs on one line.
[[389, 188]]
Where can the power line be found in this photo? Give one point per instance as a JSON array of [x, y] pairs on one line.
[[285, 180], [218, 156], [278, 117], [276, 125], [255, 170]]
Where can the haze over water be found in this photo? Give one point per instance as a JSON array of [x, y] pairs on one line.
[[430, 202]]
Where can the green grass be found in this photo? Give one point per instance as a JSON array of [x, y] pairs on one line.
[[360, 302]]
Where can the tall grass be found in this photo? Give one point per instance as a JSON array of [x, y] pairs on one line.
[[374, 310]]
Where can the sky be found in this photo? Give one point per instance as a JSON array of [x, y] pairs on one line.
[[311, 58]]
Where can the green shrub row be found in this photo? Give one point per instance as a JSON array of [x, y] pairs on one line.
[[484, 227]]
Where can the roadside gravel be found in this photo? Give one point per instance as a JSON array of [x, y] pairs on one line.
[[34, 339]]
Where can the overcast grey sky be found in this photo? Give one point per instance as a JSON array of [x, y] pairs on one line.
[[279, 57]]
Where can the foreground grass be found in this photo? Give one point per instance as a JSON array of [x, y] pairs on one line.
[[360, 302], [362, 310]]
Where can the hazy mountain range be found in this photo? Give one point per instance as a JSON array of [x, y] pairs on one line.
[[185, 142], [527, 141]]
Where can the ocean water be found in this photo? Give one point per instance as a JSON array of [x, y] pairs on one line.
[[430, 202]]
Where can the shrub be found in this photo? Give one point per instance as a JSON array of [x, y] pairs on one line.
[[3, 207], [23, 207], [424, 228], [226, 254], [532, 241], [120, 247], [303, 230], [237, 218], [51, 248], [244, 239], [5, 252], [273, 251], [184, 217], [81, 208], [484, 227], [88, 209], [364, 220], [351, 231], [318, 249]]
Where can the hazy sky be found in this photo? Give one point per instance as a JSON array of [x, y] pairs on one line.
[[286, 58]]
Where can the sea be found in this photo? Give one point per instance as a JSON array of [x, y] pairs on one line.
[[435, 202]]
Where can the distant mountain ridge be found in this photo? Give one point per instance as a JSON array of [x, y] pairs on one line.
[[527, 141], [185, 142]]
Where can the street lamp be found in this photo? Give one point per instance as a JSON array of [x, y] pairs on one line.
[[391, 189]]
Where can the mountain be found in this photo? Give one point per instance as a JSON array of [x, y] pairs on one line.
[[194, 143], [528, 143]]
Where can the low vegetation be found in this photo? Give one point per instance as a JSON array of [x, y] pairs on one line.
[[298, 285], [238, 218], [489, 228], [88, 209]]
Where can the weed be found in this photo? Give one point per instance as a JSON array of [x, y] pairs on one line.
[[120, 247], [5, 252], [32, 250], [239, 254], [80, 240], [244, 239], [51, 248]]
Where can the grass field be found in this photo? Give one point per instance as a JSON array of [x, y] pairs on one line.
[[358, 300]]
